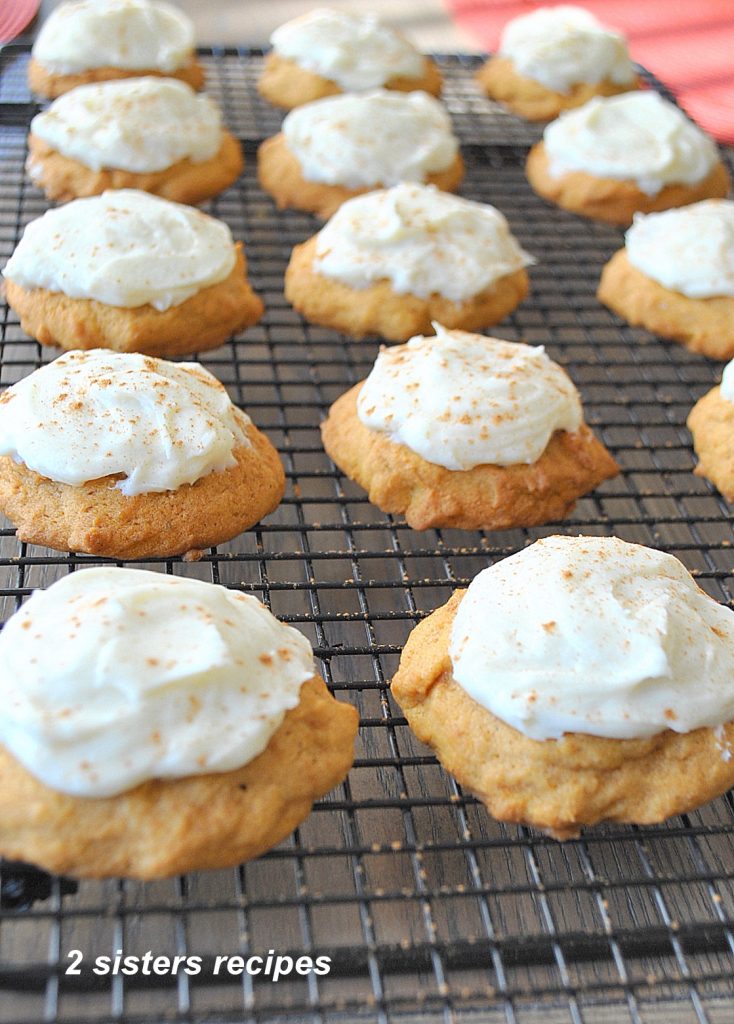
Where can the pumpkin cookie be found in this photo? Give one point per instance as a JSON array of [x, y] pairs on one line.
[[459, 430], [581, 680], [614, 157], [711, 422], [156, 725], [153, 134], [131, 272], [337, 148], [675, 276], [327, 52], [554, 59], [85, 41], [128, 456], [391, 262]]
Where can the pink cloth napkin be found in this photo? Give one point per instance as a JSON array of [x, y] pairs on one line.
[[688, 45], [14, 16]]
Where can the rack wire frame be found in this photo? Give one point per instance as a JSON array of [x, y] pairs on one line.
[[430, 910]]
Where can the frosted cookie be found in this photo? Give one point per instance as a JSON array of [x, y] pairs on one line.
[[153, 134], [128, 456], [556, 58], [337, 148], [390, 262], [155, 725], [675, 276], [459, 430], [85, 41], [711, 422], [582, 680], [132, 272], [326, 52], [614, 157]]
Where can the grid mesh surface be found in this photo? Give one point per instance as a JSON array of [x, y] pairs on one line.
[[430, 910]]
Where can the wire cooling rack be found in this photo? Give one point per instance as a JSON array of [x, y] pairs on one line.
[[430, 910]]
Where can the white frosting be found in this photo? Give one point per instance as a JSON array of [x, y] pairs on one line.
[[133, 35], [354, 50], [461, 400], [93, 414], [637, 136], [115, 676], [422, 240], [564, 46], [123, 248], [377, 137], [726, 389], [594, 635], [136, 124], [689, 250]]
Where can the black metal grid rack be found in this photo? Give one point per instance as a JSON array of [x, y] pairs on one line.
[[430, 910]]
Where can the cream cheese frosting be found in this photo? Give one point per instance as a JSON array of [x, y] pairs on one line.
[[594, 635], [89, 415], [377, 137], [637, 136], [354, 50], [422, 240], [564, 46], [133, 35], [115, 676], [726, 388], [124, 248], [689, 250], [461, 400], [141, 125]]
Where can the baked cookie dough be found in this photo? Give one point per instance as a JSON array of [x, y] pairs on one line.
[[633, 153], [85, 41], [391, 262], [675, 276], [463, 431], [340, 147], [132, 272], [326, 52], [131, 457], [153, 134], [155, 725], [711, 423], [499, 79], [581, 680], [554, 59]]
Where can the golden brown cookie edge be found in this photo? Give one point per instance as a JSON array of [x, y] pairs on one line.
[[168, 827], [286, 84], [702, 325], [378, 309], [397, 480], [279, 174], [711, 423], [202, 322], [63, 178], [499, 80], [96, 518], [613, 201], [50, 86], [559, 786]]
